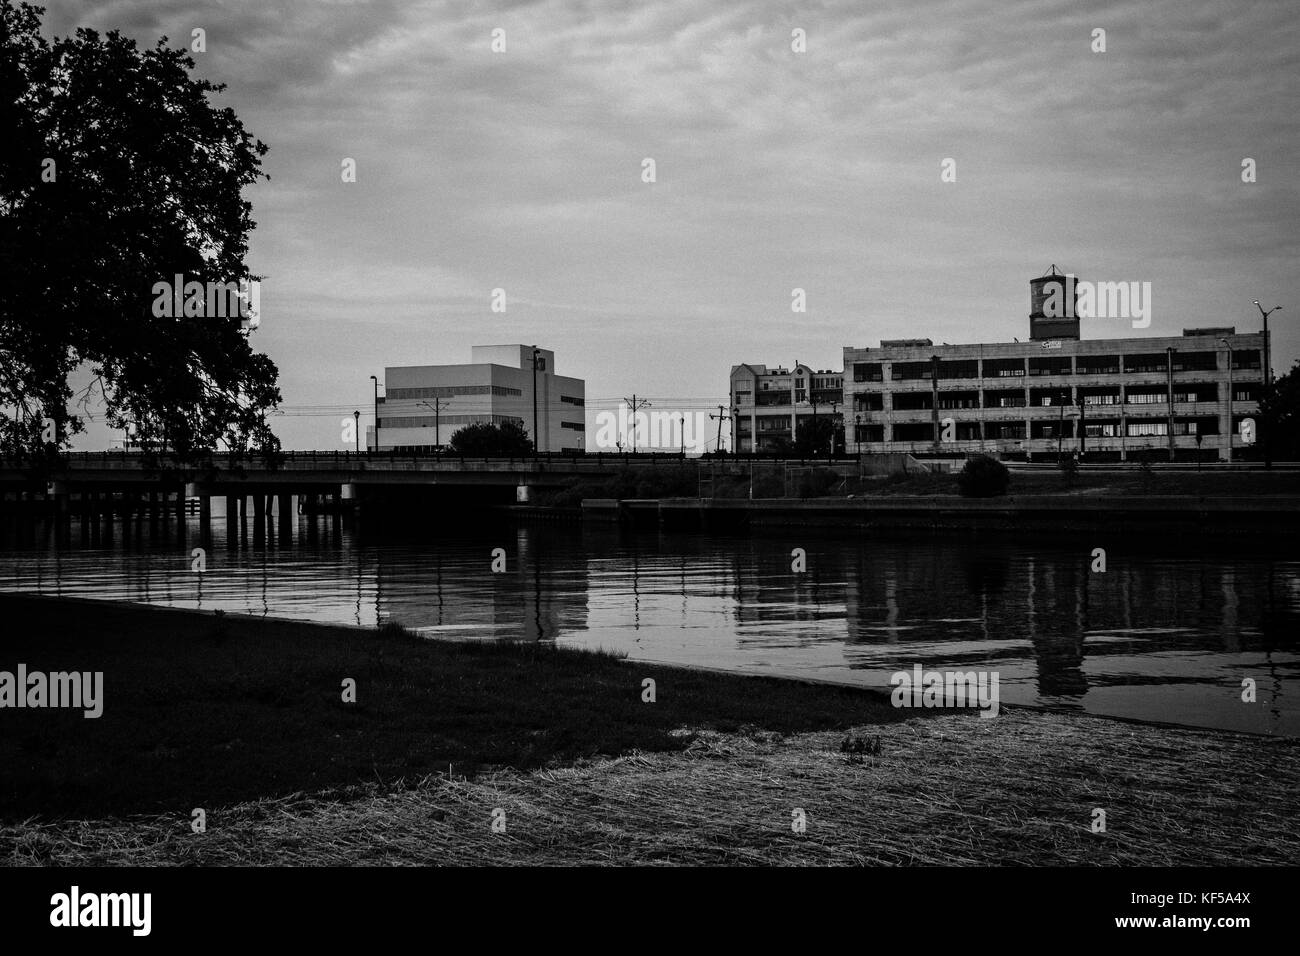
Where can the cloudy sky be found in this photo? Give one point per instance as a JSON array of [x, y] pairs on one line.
[[775, 170]]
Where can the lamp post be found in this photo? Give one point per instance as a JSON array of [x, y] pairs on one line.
[[1228, 438], [375, 380], [536, 439], [1060, 432], [356, 428], [1268, 375], [857, 438], [830, 455], [1268, 379]]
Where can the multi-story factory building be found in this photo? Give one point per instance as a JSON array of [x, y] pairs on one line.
[[1180, 397]]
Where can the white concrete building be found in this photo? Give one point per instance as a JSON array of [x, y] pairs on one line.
[[424, 405]]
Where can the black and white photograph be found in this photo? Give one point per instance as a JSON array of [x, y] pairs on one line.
[[460, 449]]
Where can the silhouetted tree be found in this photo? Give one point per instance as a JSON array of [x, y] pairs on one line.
[[485, 438], [1279, 416], [813, 436], [983, 477], [118, 173]]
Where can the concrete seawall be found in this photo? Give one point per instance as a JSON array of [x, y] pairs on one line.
[[1271, 516]]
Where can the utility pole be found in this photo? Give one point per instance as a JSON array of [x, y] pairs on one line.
[[830, 455], [633, 403], [1268, 380], [536, 442], [1083, 427], [1169, 395], [1268, 374], [721, 418], [437, 419], [1060, 432], [376, 381], [1228, 346]]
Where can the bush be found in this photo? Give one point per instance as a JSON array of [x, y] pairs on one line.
[[983, 477], [1069, 469]]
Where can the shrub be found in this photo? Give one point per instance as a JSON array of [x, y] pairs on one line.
[[983, 477], [1069, 469]]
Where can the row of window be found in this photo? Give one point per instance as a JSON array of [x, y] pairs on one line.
[[1144, 363], [447, 391], [1039, 398], [570, 400], [970, 431], [430, 421]]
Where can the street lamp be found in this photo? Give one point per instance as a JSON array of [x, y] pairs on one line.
[[1228, 439], [1268, 375], [375, 379], [1268, 378], [536, 440], [356, 429]]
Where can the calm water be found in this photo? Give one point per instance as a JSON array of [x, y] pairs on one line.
[[1162, 634]]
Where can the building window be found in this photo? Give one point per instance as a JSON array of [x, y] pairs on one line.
[[959, 368], [1098, 365], [1146, 398], [867, 372], [910, 371], [1050, 366], [1003, 368], [574, 426], [1144, 429], [1145, 363], [570, 400], [1195, 361], [1102, 398]]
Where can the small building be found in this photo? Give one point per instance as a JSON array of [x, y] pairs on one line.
[[424, 405], [767, 405]]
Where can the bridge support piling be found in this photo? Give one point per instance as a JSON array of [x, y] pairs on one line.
[[286, 518], [259, 519]]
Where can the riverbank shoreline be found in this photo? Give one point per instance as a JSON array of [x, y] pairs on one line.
[[250, 726]]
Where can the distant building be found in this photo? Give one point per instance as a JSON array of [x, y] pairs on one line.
[[1111, 399], [424, 405], [767, 405]]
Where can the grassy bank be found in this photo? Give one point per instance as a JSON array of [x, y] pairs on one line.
[[244, 718], [202, 711], [1019, 789]]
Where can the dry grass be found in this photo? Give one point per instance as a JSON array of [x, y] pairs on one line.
[[1019, 789]]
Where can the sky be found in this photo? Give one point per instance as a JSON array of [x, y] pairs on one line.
[[775, 170]]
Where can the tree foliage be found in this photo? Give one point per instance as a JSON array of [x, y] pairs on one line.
[[119, 173], [813, 436], [1279, 416], [983, 477], [488, 439]]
